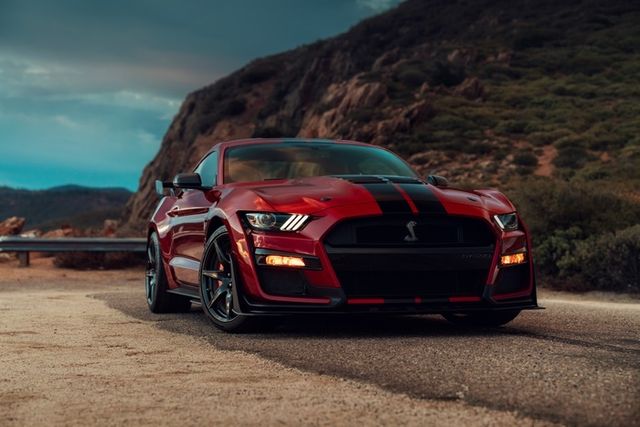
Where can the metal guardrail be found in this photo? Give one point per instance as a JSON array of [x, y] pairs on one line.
[[24, 245]]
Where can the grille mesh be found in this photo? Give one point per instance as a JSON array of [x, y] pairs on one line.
[[373, 258]]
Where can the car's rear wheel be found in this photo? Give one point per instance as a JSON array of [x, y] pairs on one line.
[[158, 299], [217, 282], [482, 318]]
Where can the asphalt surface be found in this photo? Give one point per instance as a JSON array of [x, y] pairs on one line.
[[576, 363]]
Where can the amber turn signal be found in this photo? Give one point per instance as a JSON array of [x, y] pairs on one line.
[[513, 259], [284, 261]]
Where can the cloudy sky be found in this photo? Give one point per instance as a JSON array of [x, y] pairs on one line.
[[88, 88]]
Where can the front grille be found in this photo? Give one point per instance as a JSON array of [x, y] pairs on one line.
[[372, 258], [395, 231], [409, 284]]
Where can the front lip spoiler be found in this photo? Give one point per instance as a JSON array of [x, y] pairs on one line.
[[339, 306]]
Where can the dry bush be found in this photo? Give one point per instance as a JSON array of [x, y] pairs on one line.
[[98, 260]]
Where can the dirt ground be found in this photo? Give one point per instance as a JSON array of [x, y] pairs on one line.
[[68, 359]]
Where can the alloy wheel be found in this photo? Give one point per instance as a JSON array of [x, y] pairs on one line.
[[218, 280], [151, 275]]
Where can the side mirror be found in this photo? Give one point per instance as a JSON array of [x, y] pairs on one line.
[[161, 185], [187, 181], [438, 181]]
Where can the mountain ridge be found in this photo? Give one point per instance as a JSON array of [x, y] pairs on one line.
[[71, 204]]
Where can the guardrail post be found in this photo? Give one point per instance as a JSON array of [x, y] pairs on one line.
[[24, 259]]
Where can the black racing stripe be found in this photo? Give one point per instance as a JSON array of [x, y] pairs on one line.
[[403, 180], [388, 197], [423, 198], [361, 179]]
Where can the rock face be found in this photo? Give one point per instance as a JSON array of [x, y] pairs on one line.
[[413, 79], [11, 226]]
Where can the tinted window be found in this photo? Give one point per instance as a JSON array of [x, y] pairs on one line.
[[296, 160], [207, 169]]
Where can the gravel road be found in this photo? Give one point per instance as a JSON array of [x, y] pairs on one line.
[[87, 341]]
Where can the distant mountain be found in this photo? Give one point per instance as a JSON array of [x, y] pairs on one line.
[[80, 207], [484, 91]]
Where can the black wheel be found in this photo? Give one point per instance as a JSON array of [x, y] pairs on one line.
[[217, 282], [483, 318], [158, 300]]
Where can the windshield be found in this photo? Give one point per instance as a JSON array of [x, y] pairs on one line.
[[288, 160]]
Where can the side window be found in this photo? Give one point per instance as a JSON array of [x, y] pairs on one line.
[[207, 169]]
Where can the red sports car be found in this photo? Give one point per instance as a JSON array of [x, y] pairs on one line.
[[290, 226]]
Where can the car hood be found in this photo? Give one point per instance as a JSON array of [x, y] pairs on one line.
[[315, 194]]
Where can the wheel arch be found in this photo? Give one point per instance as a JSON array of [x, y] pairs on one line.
[[151, 228], [213, 224]]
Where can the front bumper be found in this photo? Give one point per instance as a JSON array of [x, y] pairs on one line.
[[384, 279]]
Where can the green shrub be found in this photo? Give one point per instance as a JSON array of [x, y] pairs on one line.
[[607, 141], [445, 74], [608, 262], [586, 62], [552, 248], [444, 121], [561, 215], [512, 126], [525, 158], [571, 157], [257, 73], [499, 72], [530, 37], [500, 154], [478, 148], [546, 137], [267, 132], [98, 260]]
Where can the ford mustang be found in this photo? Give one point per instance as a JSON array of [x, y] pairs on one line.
[[265, 227]]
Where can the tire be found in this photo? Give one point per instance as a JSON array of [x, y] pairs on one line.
[[483, 318], [217, 282], [158, 299]]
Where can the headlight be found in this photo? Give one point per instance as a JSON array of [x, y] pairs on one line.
[[507, 222], [267, 221]]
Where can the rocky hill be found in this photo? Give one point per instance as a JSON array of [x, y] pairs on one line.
[[481, 91], [80, 207]]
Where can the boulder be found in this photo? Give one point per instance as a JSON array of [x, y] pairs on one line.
[[471, 88], [11, 226], [31, 233], [64, 231], [110, 227]]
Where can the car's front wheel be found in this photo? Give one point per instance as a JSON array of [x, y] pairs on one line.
[[158, 299], [482, 318], [217, 282]]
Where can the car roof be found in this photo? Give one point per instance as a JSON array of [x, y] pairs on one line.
[[220, 146]]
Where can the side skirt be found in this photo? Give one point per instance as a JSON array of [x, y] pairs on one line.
[[185, 292]]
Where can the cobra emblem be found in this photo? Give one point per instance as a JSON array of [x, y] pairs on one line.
[[411, 237]]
